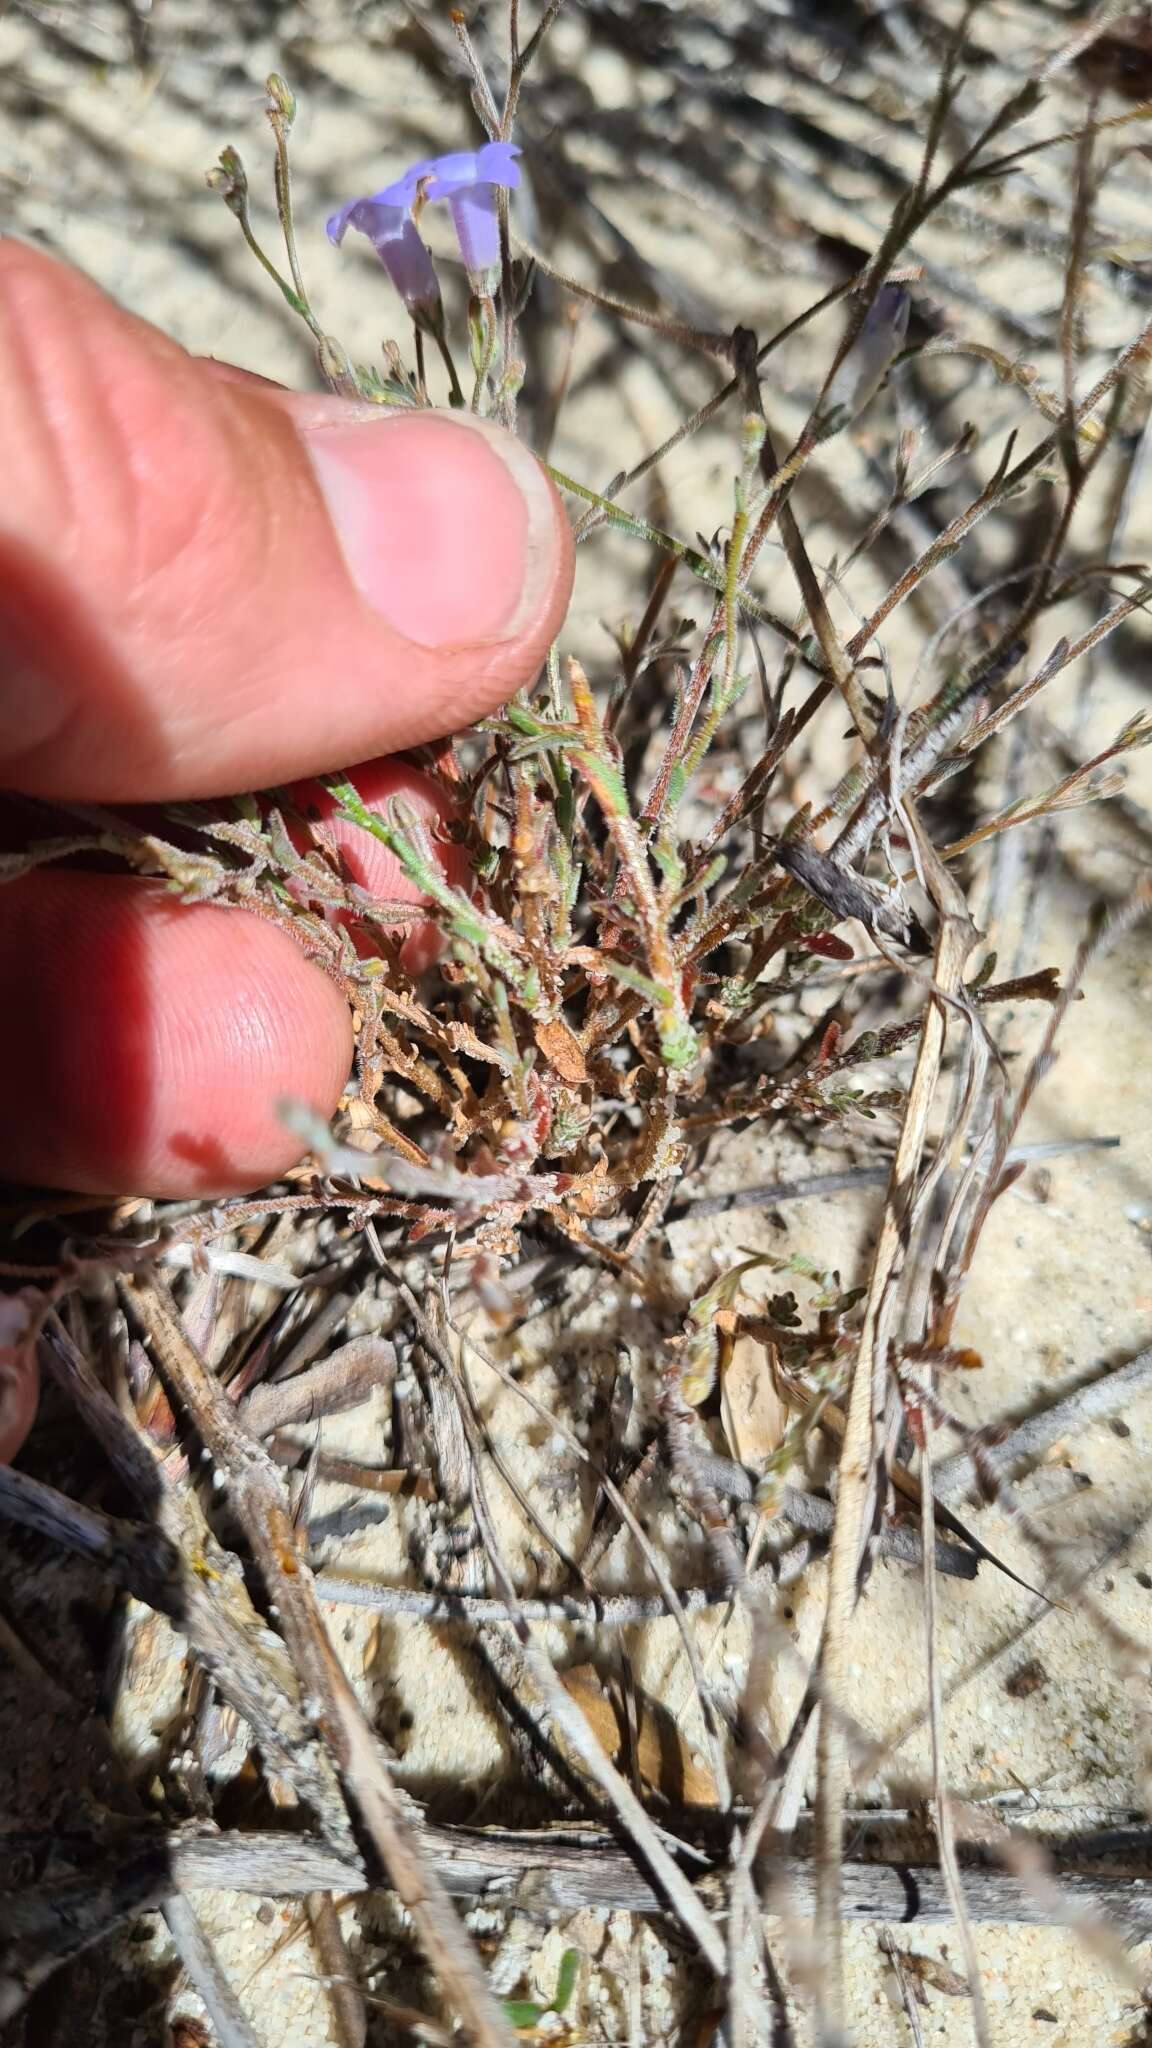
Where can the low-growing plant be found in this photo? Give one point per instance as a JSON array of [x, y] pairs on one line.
[[657, 921]]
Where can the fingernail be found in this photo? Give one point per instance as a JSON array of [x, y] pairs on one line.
[[448, 525]]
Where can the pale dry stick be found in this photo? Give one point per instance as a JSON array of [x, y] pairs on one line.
[[780, 1802], [313, 1336], [626, 1610], [744, 1925], [237, 1266], [344, 1993], [685, 1902], [259, 1501], [966, 1129], [673, 1606], [136, 1556], [888, 1944], [472, 1420], [179, 1569], [612, 1492], [578, 1734], [993, 1184], [210, 1607], [945, 1834], [779, 1805], [233, 2029], [293, 1454], [864, 1420], [342, 1381], [742, 1903], [543, 1873]]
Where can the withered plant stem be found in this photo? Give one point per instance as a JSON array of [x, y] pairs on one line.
[[385, 1830]]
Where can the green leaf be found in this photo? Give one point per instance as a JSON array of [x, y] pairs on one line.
[[607, 782], [522, 2012], [632, 978], [566, 1979], [666, 855], [678, 1042]]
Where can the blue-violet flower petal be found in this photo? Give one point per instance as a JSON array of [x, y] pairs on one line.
[[468, 180], [393, 235]]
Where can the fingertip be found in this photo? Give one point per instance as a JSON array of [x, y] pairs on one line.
[[145, 1044]]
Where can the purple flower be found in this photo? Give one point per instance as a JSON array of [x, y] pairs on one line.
[[468, 179], [886, 322], [393, 235], [875, 348]]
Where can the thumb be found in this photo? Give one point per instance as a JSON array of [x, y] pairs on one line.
[[208, 584]]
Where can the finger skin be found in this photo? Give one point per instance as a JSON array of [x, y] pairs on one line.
[[179, 615], [19, 1380], [368, 862], [145, 1043]]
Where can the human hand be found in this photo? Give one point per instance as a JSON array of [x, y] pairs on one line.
[[208, 585]]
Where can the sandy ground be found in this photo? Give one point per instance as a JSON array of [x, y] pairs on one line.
[[102, 158]]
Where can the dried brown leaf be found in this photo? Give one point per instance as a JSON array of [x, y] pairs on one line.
[[662, 1756]]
